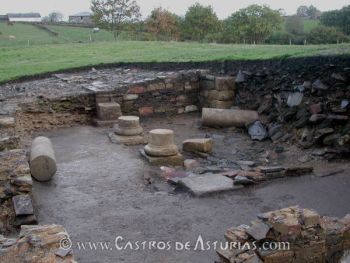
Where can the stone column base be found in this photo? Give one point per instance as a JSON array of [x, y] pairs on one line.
[[127, 140], [100, 123], [175, 160]]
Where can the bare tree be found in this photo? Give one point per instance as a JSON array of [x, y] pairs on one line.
[[55, 17], [113, 14]]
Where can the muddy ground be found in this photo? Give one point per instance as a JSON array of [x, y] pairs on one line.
[[99, 192]]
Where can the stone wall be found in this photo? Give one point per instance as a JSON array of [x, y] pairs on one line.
[[175, 95], [37, 244], [310, 237]]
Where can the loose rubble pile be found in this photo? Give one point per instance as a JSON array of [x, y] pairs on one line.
[[313, 112], [15, 191], [304, 237], [37, 244]]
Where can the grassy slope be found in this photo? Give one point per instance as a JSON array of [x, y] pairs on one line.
[[23, 33], [49, 53], [77, 34], [15, 62]]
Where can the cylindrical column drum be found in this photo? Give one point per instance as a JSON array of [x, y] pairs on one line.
[[42, 159]]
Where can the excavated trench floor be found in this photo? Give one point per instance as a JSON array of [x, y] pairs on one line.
[[99, 193]]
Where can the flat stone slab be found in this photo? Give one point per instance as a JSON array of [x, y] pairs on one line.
[[127, 140], [205, 184], [23, 205], [175, 160]]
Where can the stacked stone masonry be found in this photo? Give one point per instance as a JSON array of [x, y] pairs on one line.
[[304, 236]]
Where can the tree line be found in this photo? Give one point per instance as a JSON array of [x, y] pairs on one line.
[[255, 24]]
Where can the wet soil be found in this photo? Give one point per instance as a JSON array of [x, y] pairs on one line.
[[99, 192]]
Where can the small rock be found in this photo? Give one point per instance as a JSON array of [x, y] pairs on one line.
[[315, 108], [344, 104], [338, 77], [198, 145], [190, 164], [295, 99], [318, 85], [240, 78], [241, 180], [257, 131], [23, 205], [258, 230]]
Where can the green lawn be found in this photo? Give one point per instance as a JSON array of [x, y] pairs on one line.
[[18, 61], [79, 34], [72, 48]]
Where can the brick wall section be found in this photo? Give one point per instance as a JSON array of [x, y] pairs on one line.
[[175, 95]]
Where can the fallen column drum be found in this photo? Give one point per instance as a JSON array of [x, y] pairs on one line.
[[42, 159]]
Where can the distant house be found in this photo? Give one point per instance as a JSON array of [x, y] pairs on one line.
[[4, 18], [81, 18], [24, 17]]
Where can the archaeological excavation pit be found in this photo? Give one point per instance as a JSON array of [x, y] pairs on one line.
[[171, 153]]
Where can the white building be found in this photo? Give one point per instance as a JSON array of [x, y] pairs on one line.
[[24, 17]]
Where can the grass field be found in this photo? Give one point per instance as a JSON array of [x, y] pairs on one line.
[[49, 53]]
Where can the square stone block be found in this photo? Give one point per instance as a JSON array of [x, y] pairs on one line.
[[108, 111]]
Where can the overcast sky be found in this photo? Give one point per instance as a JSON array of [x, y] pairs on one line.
[[222, 7]]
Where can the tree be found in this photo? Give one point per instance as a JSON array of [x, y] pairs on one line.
[[53, 17], [313, 12], [253, 24], [294, 25], [337, 18], [302, 11], [113, 14], [326, 35], [199, 22], [163, 23]]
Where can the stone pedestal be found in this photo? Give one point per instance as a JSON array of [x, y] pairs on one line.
[[161, 149], [128, 131], [107, 113]]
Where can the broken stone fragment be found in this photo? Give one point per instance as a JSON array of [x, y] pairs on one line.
[[191, 164], [240, 78], [22, 205], [295, 99], [258, 230], [242, 180], [228, 118], [318, 85], [257, 131], [198, 145], [286, 224], [310, 217], [317, 118]]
